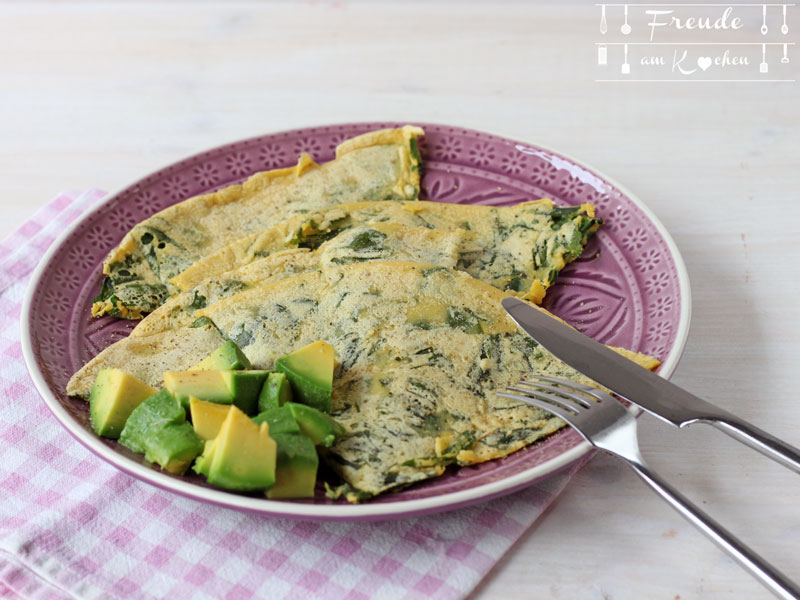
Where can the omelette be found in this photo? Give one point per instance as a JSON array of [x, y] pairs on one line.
[[376, 166], [422, 350], [520, 248], [379, 241]]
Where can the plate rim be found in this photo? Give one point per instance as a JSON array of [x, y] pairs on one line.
[[345, 512]]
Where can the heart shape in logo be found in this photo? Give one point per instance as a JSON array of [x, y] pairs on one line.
[[704, 62]]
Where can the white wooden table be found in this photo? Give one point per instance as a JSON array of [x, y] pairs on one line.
[[96, 95]]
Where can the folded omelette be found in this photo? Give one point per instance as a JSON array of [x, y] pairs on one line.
[[523, 246], [518, 248], [422, 351], [379, 165]]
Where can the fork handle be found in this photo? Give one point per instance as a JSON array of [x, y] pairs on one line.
[[758, 439], [768, 575]]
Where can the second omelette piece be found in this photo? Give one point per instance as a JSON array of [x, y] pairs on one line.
[[518, 248], [521, 247]]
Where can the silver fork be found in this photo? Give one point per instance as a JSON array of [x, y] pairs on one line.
[[606, 423]]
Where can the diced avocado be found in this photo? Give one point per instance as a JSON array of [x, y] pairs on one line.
[[310, 371], [203, 461], [320, 428], [114, 395], [242, 456], [159, 409], [210, 386], [246, 386], [174, 447], [296, 467], [280, 420], [228, 357], [277, 391], [223, 387], [207, 417], [158, 428]]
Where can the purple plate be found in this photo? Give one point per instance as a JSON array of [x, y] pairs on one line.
[[629, 289]]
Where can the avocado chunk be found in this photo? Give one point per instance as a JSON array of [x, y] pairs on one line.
[[159, 409], [228, 357], [223, 387], [277, 391], [174, 447], [310, 371], [114, 396], [158, 428], [245, 387], [210, 386], [242, 457], [207, 417], [296, 467], [280, 420], [320, 428], [203, 462]]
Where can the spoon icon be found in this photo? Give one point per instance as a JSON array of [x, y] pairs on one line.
[[784, 27], [626, 29], [764, 28], [604, 26]]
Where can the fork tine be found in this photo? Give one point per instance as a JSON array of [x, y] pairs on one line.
[[594, 392], [558, 400], [531, 399], [560, 392]]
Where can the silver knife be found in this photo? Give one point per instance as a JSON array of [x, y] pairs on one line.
[[640, 386]]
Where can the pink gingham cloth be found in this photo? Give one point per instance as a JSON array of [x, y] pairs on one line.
[[72, 526]]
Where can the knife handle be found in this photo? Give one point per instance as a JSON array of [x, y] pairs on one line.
[[758, 439]]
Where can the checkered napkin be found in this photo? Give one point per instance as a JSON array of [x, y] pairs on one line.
[[72, 526]]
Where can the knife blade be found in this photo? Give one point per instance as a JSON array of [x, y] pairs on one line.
[[638, 385], [608, 368]]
